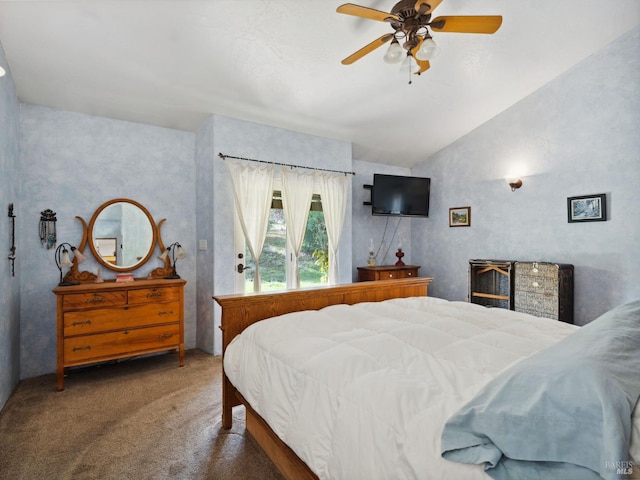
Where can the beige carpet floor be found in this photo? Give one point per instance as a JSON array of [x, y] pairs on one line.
[[138, 419]]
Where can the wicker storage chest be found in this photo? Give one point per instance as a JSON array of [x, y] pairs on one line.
[[544, 290]]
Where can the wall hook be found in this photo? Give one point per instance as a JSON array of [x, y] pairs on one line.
[[12, 255]]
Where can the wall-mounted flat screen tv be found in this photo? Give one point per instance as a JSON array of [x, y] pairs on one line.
[[399, 195]]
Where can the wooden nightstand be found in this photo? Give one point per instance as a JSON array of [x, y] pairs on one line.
[[387, 272]]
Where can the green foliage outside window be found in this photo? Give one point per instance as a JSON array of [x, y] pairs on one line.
[[313, 261]]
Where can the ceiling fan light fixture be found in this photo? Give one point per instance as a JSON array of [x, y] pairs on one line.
[[428, 50], [409, 64], [394, 53]]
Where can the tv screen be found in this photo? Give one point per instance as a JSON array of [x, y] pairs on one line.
[[398, 195]]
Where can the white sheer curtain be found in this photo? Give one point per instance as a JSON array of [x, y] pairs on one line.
[[297, 190], [333, 191], [253, 193]]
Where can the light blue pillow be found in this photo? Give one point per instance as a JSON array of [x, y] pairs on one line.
[[565, 412]]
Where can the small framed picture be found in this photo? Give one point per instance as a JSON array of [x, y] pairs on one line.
[[587, 208], [460, 217]]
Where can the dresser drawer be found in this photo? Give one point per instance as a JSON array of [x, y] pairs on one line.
[[537, 284], [94, 300], [538, 304], [534, 277], [106, 319], [148, 295], [118, 344]]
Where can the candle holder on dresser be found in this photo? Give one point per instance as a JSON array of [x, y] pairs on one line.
[[173, 253], [63, 260], [399, 254], [371, 261]]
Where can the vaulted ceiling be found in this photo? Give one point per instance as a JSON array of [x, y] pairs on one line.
[[174, 63]]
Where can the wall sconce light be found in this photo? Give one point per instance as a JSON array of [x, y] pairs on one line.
[[514, 183], [2, 72], [63, 260], [173, 253]]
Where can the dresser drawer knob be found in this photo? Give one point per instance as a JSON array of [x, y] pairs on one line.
[[165, 335], [77, 324], [409, 274], [167, 312], [391, 275], [86, 347]]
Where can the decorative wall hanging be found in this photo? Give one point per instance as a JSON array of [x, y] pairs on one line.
[[587, 208], [12, 255], [48, 228], [460, 217]]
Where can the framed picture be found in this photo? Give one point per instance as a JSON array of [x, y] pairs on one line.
[[460, 217], [587, 208]]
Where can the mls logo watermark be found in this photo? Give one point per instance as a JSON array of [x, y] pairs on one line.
[[621, 468]]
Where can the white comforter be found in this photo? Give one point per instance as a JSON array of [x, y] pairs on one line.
[[363, 391]]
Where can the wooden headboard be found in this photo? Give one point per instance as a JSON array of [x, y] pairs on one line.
[[241, 310]]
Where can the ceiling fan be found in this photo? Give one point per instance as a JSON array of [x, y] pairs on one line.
[[411, 21]]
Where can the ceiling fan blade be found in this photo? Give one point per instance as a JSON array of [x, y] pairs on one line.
[[424, 66], [424, 7], [467, 24], [367, 49], [364, 12]]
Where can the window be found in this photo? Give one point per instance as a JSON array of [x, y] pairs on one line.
[[313, 261]]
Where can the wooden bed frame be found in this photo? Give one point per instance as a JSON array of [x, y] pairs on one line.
[[240, 311]]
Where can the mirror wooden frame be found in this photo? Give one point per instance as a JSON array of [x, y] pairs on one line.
[[74, 275], [96, 254]]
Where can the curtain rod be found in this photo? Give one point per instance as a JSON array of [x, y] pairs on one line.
[[224, 157]]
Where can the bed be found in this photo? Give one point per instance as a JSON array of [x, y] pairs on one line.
[[378, 380]]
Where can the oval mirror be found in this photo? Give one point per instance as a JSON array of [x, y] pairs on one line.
[[122, 235]]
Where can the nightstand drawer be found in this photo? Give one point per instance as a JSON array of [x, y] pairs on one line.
[[409, 272]]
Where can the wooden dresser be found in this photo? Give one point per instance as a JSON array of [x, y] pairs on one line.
[[104, 321], [387, 272]]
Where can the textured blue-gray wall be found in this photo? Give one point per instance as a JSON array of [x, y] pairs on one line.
[[9, 193], [72, 163], [578, 135]]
